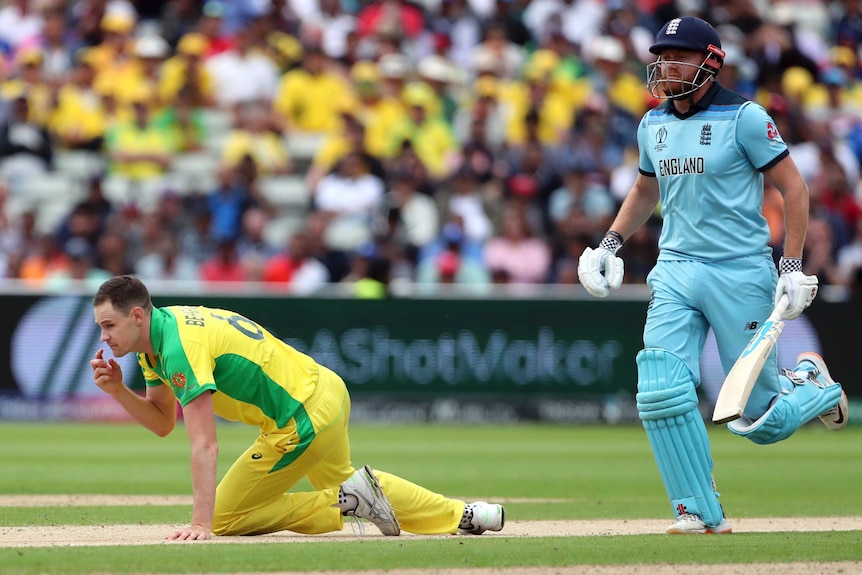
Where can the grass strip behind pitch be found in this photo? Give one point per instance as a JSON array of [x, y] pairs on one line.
[[451, 552]]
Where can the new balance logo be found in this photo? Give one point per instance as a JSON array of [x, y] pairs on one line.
[[752, 325]]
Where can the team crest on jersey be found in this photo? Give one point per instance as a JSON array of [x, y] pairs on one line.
[[178, 379], [706, 135]]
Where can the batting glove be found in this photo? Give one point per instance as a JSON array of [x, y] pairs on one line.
[[800, 288], [600, 270]]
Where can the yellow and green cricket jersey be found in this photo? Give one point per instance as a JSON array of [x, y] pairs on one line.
[[256, 378]]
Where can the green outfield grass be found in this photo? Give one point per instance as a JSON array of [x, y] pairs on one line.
[[600, 472], [436, 554]]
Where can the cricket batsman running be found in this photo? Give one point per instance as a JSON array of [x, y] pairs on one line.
[[704, 154]]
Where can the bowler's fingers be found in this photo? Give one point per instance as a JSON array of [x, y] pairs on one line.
[[100, 362], [188, 535], [97, 361]]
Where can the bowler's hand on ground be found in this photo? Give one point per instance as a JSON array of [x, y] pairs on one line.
[[107, 373], [194, 533], [599, 271]]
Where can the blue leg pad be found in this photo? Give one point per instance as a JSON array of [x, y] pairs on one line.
[[667, 405], [799, 402]]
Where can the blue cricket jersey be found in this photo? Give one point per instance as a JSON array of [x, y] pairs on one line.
[[709, 164]]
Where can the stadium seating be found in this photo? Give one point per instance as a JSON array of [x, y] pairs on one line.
[[195, 172], [79, 164], [287, 191], [281, 228], [52, 195]]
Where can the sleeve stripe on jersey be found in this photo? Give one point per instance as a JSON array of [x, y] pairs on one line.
[[777, 159]]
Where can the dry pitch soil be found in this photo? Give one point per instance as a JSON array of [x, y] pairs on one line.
[[66, 535]]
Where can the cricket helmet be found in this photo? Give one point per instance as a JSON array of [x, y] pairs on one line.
[[685, 33]]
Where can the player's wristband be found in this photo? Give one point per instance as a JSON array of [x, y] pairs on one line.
[[789, 265], [612, 241]]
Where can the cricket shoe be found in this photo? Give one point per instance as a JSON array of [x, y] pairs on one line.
[[481, 516], [836, 418], [372, 503], [691, 524]]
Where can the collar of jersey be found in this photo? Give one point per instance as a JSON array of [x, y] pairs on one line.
[[157, 324], [701, 104]]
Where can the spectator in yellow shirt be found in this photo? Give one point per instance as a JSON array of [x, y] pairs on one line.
[[310, 98], [534, 96], [351, 139], [610, 76], [253, 137], [283, 49], [140, 148], [430, 136], [30, 78], [186, 71], [440, 74], [79, 120], [116, 49], [141, 72], [565, 73], [379, 113]]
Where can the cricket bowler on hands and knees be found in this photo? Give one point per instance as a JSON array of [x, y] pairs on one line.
[[704, 154], [215, 362]]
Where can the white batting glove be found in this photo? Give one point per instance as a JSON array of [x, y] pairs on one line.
[[800, 288], [600, 270]]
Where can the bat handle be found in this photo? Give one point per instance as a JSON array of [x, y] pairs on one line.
[[780, 308]]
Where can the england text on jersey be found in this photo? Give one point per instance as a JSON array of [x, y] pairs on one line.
[[681, 166]]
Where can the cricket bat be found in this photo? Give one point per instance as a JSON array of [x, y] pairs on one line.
[[740, 380]]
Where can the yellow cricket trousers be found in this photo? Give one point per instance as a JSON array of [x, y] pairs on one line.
[[252, 497]]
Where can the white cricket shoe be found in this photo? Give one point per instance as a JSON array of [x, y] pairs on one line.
[[691, 524], [481, 516], [373, 505], [836, 418]]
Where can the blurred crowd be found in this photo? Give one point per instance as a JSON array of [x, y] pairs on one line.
[[473, 142]]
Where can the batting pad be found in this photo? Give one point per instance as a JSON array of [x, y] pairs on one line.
[[799, 402], [667, 405]]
